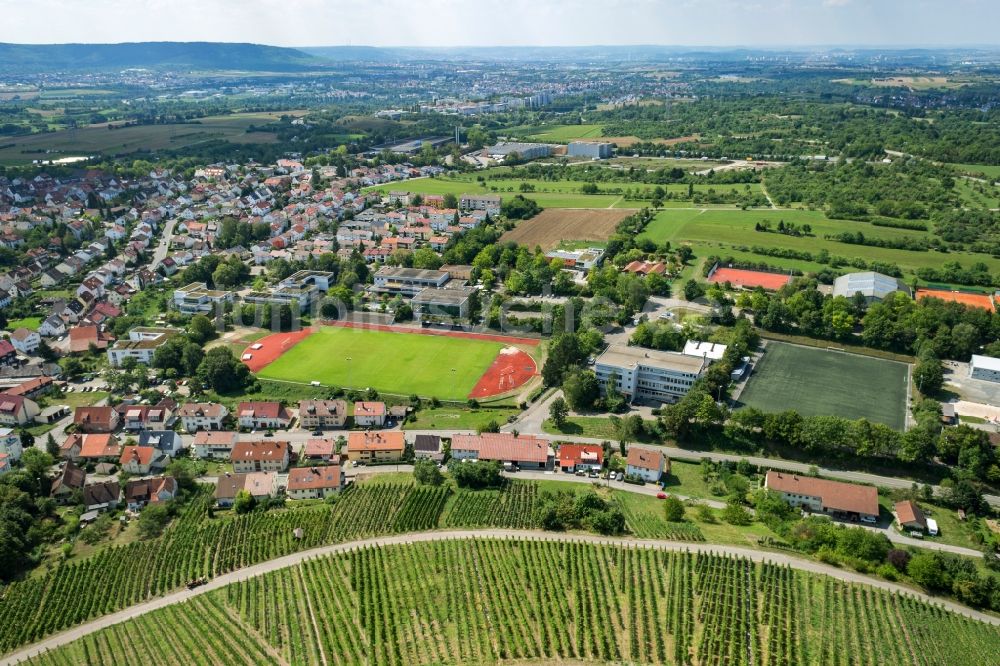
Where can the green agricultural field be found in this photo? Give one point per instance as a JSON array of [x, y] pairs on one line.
[[992, 170], [487, 601], [817, 381], [561, 133], [401, 363], [99, 139], [724, 231]]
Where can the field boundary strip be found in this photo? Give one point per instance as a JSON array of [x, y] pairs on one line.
[[271, 347], [294, 559], [386, 328]]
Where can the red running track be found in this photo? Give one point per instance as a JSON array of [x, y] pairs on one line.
[[274, 345], [509, 370]]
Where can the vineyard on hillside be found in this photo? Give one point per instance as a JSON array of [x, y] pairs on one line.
[[512, 506], [196, 545], [487, 601]]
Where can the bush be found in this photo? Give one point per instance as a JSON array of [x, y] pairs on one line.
[[673, 510], [898, 558], [887, 571]]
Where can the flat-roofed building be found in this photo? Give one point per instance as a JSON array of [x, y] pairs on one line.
[[647, 374], [407, 281], [526, 151], [711, 351], [442, 304], [985, 367], [599, 150], [197, 297], [581, 260], [141, 344]]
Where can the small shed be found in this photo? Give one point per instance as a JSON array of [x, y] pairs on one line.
[[909, 516]]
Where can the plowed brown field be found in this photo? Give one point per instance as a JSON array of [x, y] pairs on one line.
[[553, 225]]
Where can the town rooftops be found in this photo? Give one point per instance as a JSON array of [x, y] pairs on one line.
[[335, 408], [100, 446], [504, 446], [215, 438], [646, 458], [262, 410], [320, 447], [212, 410], [260, 451], [378, 440], [834, 495], [139, 455], [307, 478], [427, 443]]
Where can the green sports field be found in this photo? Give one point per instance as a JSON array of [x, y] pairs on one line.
[[817, 381], [401, 363]]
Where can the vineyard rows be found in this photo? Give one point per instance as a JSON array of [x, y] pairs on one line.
[[195, 546], [513, 506], [487, 601]]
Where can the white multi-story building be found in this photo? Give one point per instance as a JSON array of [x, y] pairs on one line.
[[197, 297], [593, 149], [647, 374], [10, 443], [985, 367], [408, 281], [141, 344]]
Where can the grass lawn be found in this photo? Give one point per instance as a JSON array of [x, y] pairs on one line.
[[731, 232], [816, 381], [992, 170], [456, 418], [31, 323], [598, 427], [77, 399], [401, 363]]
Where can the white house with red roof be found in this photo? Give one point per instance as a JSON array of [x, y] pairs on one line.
[[314, 482], [367, 414], [577, 457], [647, 464], [262, 415], [523, 451]]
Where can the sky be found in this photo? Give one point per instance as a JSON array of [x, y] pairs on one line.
[[507, 22]]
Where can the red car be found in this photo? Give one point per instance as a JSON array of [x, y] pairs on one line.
[[661, 496]]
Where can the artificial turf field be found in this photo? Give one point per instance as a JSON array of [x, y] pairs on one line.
[[401, 363], [817, 381]]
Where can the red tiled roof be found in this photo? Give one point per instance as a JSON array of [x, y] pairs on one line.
[[141, 455], [261, 451], [379, 440], [645, 458], [317, 447], [503, 446], [262, 410], [100, 446], [369, 409], [908, 512], [848, 497], [305, 478], [571, 455]]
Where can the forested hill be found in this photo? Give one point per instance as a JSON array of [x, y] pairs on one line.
[[154, 55]]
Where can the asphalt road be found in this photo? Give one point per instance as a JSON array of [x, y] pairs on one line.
[[180, 596]]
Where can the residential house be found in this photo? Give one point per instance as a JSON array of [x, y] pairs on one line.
[[369, 414], [321, 448], [53, 327], [17, 410], [581, 457], [321, 414], [8, 355], [514, 451], [197, 416], [846, 500], [140, 492], [428, 446], [70, 480], [909, 516], [314, 482], [32, 388], [375, 446], [167, 442], [647, 464], [101, 496], [96, 419], [214, 444], [100, 447], [147, 417], [82, 338], [141, 460], [260, 485], [10, 443], [4, 463], [262, 456], [263, 415], [25, 341]]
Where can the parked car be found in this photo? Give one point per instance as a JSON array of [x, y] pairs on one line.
[[661, 496]]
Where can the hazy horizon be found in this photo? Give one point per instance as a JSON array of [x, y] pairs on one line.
[[782, 24]]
